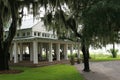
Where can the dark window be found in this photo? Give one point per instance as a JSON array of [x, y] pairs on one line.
[[18, 35], [39, 34], [45, 34], [28, 33], [35, 33], [42, 34], [23, 34]]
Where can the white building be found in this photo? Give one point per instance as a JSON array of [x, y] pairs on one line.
[[32, 40]]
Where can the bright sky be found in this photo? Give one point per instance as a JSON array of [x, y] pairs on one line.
[[28, 19], [42, 12], [104, 49]]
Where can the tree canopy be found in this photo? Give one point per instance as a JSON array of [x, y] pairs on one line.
[[99, 20]]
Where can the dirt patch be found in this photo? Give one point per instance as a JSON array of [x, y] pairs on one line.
[[11, 72]]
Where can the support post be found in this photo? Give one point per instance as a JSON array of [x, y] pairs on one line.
[[65, 52], [50, 52], [58, 51], [11, 53], [35, 52], [15, 49]]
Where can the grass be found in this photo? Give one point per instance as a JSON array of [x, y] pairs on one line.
[[103, 57], [54, 72]]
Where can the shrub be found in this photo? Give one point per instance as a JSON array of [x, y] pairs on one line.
[[113, 52], [72, 60], [78, 60]]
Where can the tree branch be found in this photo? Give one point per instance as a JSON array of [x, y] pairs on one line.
[[13, 27]]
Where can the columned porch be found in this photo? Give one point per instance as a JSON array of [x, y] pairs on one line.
[[37, 50]]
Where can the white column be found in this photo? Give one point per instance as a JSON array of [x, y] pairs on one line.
[[58, 51], [15, 49], [31, 52], [71, 49], [21, 52], [50, 52], [11, 53], [78, 50], [65, 51], [35, 52]]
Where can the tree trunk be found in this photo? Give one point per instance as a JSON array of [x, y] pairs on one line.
[[5, 43], [6, 56], [85, 58], [87, 49], [2, 64], [3, 59], [113, 52], [3, 49], [2, 55]]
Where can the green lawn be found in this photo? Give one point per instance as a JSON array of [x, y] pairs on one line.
[[55, 72], [103, 57]]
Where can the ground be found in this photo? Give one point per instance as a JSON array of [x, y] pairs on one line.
[[109, 70], [11, 71], [53, 72]]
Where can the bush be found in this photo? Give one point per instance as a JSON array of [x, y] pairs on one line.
[[113, 52], [72, 60], [78, 60]]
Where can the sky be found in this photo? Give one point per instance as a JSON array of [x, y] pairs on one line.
[[104, 49]]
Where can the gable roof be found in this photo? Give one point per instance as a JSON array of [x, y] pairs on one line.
[[28, 23]]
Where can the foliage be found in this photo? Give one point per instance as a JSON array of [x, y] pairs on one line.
[[101, 22], [72, 59], [11, 14], [99, 19], [113, 52], [55, 72], [78, 60]]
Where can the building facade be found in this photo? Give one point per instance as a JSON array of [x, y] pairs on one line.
[[35, 44]]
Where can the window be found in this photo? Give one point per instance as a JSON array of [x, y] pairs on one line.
[[28, 33], [23, 34], [42, 34], [35, 33], [18, 35], [39, 34]]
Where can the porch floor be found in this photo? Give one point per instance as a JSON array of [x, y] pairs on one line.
[[40, 63]]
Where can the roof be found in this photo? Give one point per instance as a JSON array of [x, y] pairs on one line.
[[28, 23], [42, 40]]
